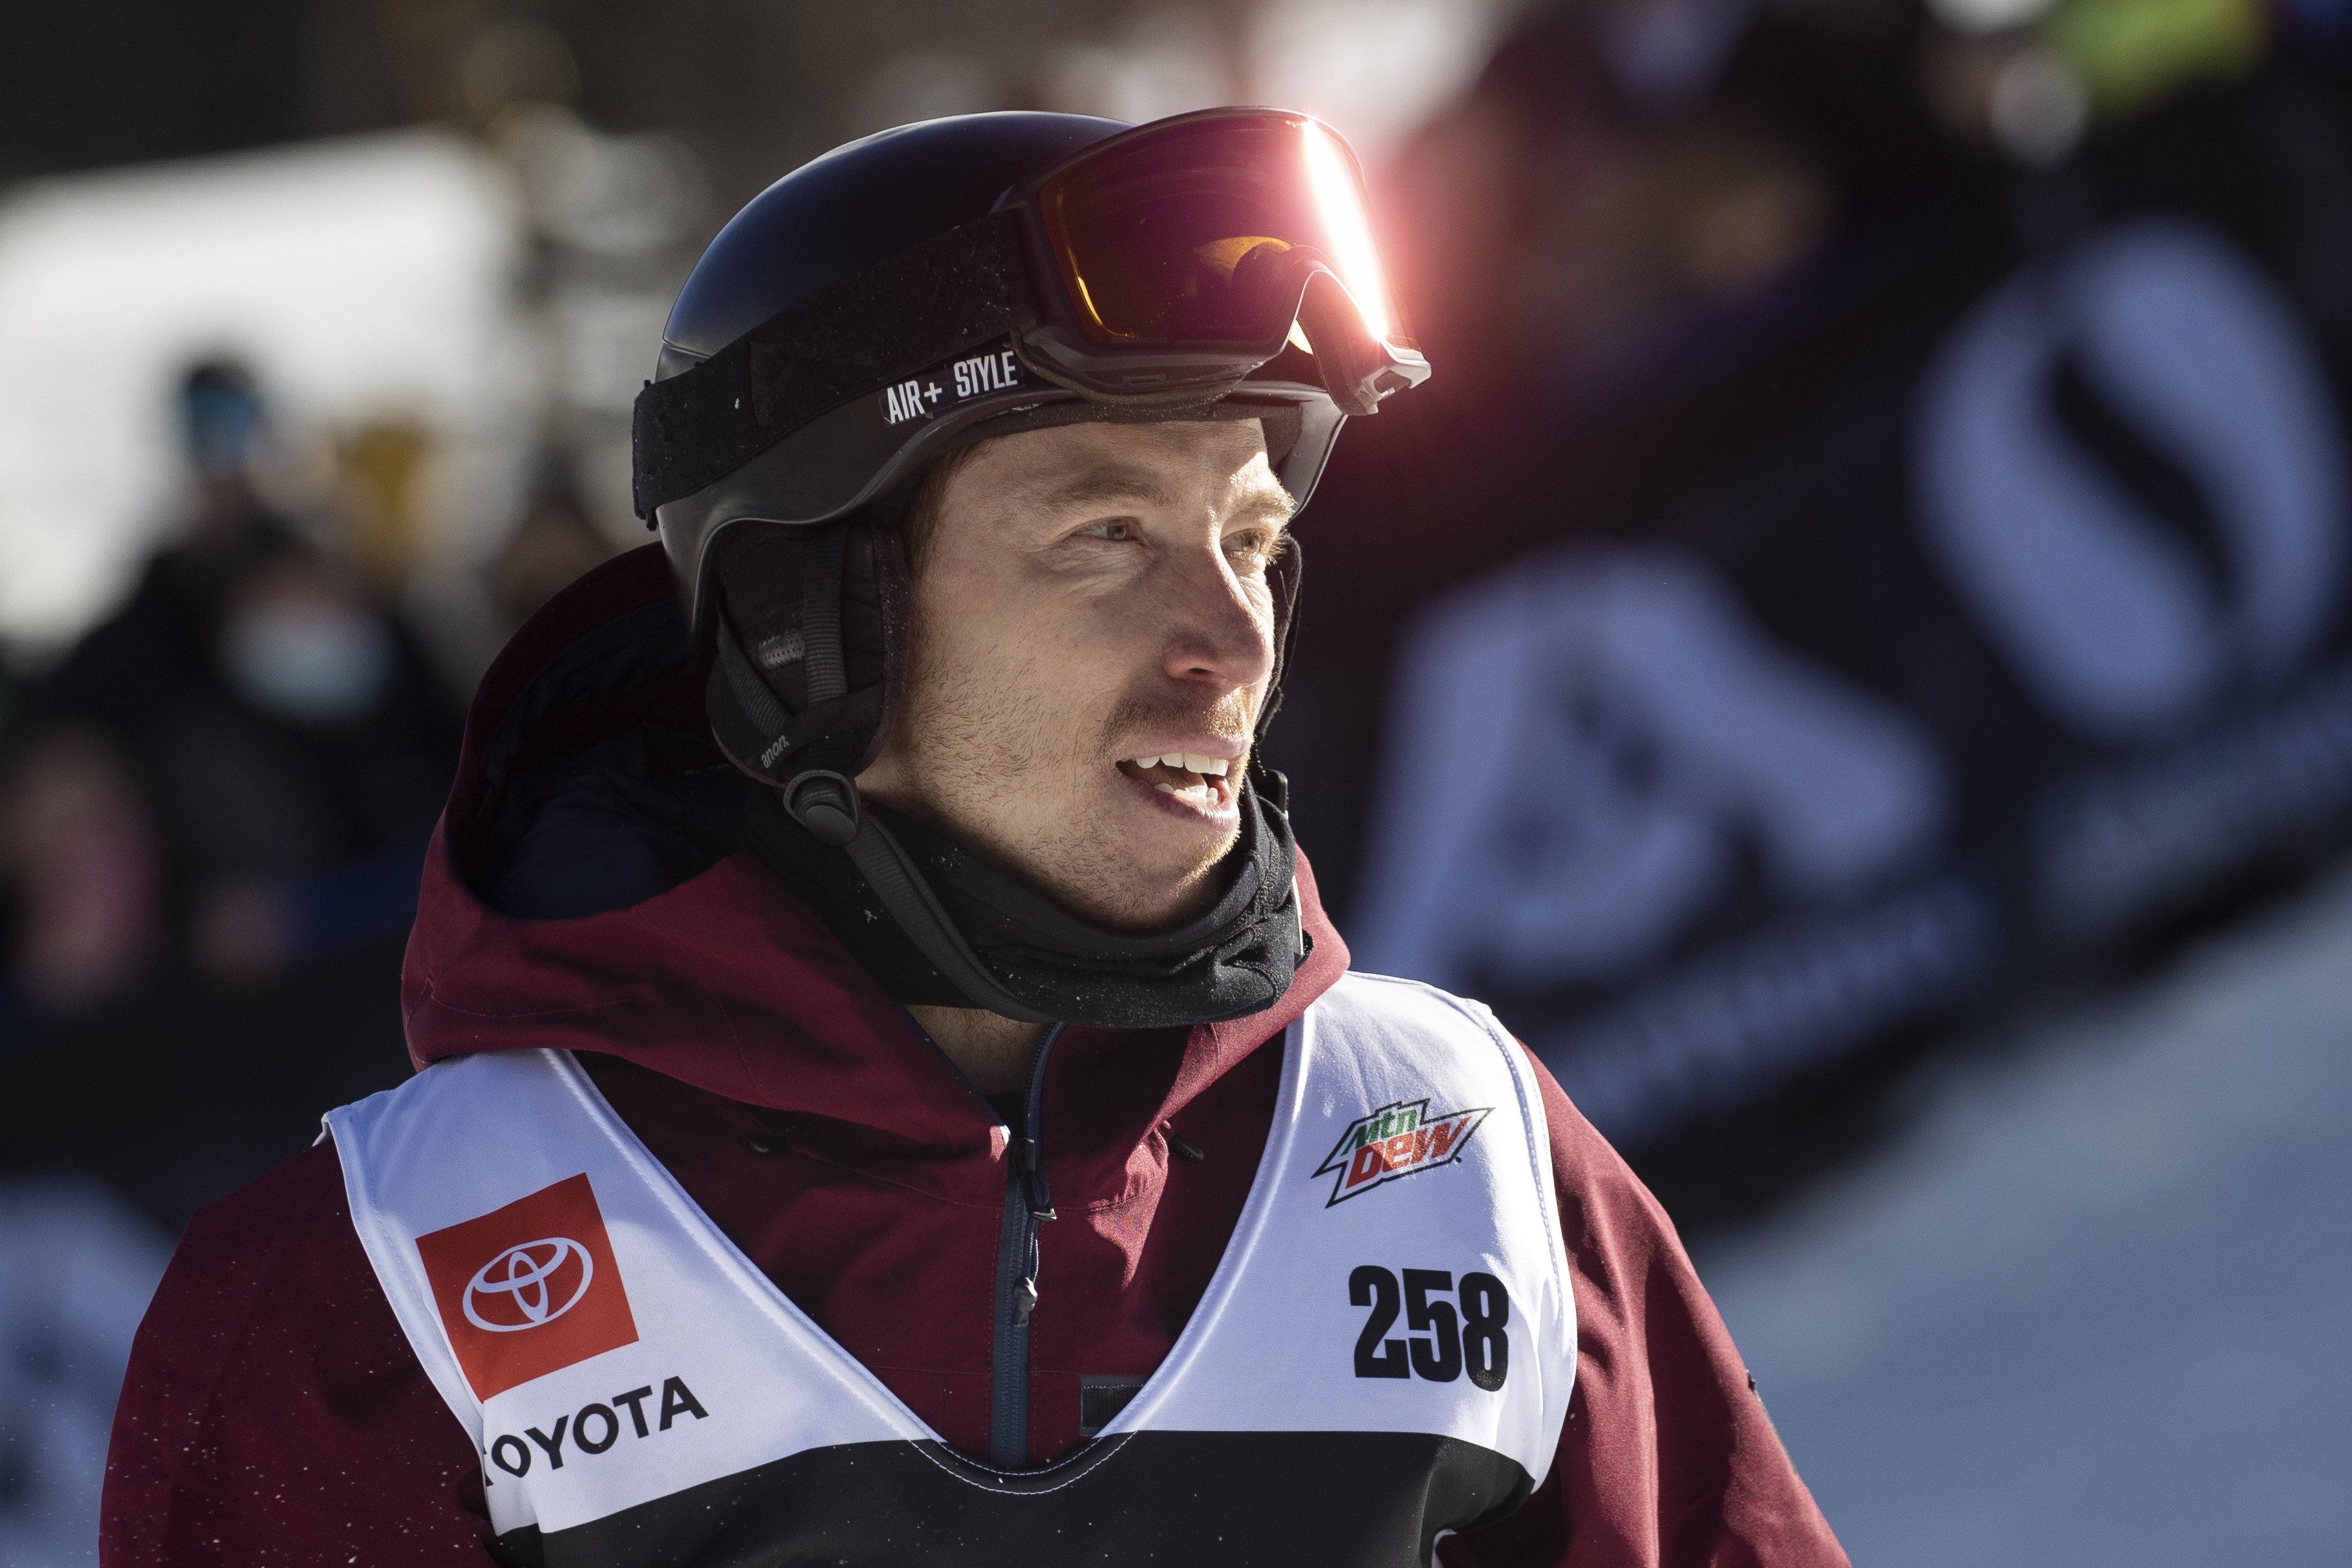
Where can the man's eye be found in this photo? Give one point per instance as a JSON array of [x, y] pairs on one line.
[[1119, 530]]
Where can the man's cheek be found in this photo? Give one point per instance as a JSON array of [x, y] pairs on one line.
[[1256, 697]]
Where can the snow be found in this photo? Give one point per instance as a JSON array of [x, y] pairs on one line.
[[76, 1269], [2091, 1309]]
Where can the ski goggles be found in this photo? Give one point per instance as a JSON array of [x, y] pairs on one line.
[[1188, 250], [1228, 253]]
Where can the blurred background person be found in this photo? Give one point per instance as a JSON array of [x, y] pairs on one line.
[[243, 763], [213, 819], [75, 843]]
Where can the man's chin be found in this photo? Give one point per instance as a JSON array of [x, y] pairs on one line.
[[1159, 874], [1136, 867]]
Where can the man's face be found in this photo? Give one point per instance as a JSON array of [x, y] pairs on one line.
[[1092, 600]]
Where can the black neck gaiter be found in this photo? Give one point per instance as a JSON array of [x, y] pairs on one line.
[[1233, 960]]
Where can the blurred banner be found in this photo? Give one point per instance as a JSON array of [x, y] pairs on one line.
[[1856, 551]]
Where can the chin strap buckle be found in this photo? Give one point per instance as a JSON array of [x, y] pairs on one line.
[[825, 803]]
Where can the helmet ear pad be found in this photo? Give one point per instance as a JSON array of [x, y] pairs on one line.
[[821, 615]]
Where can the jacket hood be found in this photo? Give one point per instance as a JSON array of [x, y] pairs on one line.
[[723, 980]]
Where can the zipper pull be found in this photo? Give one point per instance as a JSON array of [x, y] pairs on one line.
[[1025, 1302], [1032, 1179]]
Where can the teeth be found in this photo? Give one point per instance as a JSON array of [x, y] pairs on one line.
[[1188, 762]]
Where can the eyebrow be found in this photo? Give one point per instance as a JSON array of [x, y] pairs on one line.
[[1114, 484], [1272, 501], [1128, 483]]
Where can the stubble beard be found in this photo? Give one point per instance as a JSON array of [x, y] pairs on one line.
[[967, 741]]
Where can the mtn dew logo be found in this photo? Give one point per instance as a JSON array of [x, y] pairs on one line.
[[1394, 1142]]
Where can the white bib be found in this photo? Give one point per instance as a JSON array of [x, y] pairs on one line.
[[1385, 1352]]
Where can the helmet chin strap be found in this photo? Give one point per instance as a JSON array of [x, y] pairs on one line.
[[824, 801], [887, 869]]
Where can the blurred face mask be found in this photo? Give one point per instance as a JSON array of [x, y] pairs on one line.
[[222, 425], [312, 662]]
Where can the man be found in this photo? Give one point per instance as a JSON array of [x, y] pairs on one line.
[[251, 752], [962, 1144]]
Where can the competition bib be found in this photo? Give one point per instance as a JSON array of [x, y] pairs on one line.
[[1384, 1355]]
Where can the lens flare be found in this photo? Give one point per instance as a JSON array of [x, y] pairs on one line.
[[1340, 203]]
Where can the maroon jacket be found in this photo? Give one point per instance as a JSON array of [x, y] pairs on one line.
[[274, 1413]]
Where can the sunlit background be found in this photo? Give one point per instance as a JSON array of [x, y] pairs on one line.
[[1849, 652]]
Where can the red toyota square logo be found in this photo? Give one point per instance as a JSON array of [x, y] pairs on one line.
[[528, 1289]]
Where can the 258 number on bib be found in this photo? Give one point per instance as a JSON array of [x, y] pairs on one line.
[[1439, 1343]]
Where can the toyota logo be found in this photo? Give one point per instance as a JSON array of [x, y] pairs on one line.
[[524, 1281]]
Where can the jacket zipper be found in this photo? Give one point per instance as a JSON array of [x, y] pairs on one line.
[[1027, 1205]]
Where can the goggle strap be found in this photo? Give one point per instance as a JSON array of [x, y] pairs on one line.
[[954, 292]]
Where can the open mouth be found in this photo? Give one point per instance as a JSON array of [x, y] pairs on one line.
[[1205, 783]]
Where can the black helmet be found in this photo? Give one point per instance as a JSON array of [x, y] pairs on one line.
[[942, 283], [877, 308]]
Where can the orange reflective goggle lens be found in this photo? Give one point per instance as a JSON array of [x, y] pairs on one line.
[[1194, 231]]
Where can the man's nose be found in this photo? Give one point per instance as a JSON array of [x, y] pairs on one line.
[[1221, 633]]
